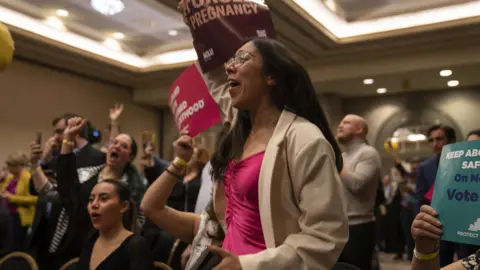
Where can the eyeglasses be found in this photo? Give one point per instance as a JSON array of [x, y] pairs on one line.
[[240, 58]]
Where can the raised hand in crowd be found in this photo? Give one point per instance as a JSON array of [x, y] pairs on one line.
[[73, 129], [146, 160], [36, 153], [182, 8], [115, 112], [113, 129], [183, 146]]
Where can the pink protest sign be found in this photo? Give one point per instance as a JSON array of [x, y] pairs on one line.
[[191, 104]]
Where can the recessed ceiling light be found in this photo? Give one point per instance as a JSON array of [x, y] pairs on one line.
[[173, 33], [453, 83], [112, 44], [368, 81], [62, 13], [445, 73], [108, 7], [381, 90], [118, 35], [55, 23]]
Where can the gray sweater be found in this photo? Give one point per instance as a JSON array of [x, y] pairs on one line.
[[363, 164]]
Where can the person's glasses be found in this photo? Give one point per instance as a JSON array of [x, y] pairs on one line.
[[240, 58]]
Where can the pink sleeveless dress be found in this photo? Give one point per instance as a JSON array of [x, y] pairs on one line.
[[242, 217]]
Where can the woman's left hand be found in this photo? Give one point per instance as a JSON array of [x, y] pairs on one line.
[[229, 261]]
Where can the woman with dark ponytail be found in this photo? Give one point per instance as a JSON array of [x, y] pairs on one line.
[[74, 223], [113, 245], [277, 194]]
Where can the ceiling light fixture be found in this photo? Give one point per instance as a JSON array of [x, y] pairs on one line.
[[368, 81], [445, 73], [453, 83], [55, 23], [173, 33], [118, 35], [381, 90], [133, 61], [62, 13], [108, 7], [112, 44]]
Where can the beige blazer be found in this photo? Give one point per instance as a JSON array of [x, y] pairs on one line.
[[302, 206]]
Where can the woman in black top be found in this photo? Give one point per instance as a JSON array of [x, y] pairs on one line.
[[74, 188], [112, 246]]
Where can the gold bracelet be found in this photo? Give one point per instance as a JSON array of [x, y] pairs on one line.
[[68, 142], [425, 257], [180, 162]]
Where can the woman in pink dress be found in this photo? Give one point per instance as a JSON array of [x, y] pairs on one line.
[[277, 194]]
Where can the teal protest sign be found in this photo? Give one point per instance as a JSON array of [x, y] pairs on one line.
[[456, 196]]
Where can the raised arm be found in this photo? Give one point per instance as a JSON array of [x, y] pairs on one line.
[[323, 222], [68, 184], [180, 224], [115, 113], [39, 179], [216, 81], [367, 169]]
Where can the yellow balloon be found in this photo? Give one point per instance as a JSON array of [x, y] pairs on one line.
[[391, 145], [6, 47]]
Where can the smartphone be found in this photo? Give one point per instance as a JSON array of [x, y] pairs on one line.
[[38, 139]]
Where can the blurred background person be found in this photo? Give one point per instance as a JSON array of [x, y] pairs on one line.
[[15, 195], [473, 135], [360, 175]]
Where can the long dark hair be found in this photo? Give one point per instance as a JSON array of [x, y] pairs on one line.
[[124, 195], [293, 91]]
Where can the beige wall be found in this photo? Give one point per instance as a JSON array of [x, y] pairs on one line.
[[32, 95], [459, 106]]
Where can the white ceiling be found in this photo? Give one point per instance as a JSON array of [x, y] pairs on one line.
[[144, 23], [399, 60], [356, 10]]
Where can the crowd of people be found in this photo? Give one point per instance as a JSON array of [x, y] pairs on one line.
[[277, 192]]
